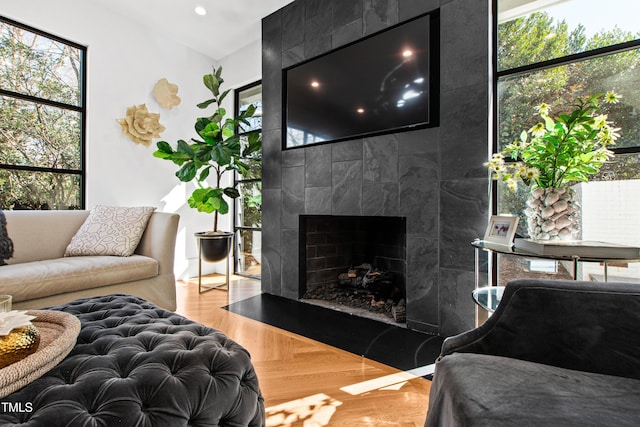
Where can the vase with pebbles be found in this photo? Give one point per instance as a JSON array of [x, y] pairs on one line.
[[552, 214]]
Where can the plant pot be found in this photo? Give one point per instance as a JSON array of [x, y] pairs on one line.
[[553, 214], [214, 247]]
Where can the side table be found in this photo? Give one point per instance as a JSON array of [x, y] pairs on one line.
[[488, 297], [481, 245]]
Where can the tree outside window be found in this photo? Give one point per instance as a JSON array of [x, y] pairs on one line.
[[41, 119], [554, 55]]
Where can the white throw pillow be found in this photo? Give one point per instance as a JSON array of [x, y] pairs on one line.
[[110, 230]]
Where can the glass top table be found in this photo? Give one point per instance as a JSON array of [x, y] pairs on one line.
[[488, 297], [482, 245]]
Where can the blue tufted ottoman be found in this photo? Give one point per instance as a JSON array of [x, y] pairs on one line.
[[135, 364]]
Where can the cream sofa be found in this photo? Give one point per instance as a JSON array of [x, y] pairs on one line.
[[39, 275]]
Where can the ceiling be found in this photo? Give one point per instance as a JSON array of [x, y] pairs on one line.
[[232, 24], [228, 25], [512, 9]]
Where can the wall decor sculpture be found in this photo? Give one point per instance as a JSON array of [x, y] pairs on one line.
[[165, 94], [140, 125]]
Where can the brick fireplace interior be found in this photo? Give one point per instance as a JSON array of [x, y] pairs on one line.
[[333, 245]]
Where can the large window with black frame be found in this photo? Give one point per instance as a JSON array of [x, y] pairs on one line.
[[548, 55], [248, 206], [42, 116]]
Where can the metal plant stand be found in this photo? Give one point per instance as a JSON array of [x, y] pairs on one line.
[[227, 242]]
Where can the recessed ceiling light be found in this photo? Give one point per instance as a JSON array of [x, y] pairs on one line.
[[315, 84], [360, 110], [407, 53], [200, 10]]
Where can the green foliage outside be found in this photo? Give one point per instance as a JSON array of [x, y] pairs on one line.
[[33, 134], [251, 214], [250, 188], [538, 37], [251, 203]]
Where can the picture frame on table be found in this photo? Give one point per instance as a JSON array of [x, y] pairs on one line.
[[501, 229]]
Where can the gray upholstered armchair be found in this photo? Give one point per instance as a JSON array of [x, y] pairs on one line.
[[555, 353]]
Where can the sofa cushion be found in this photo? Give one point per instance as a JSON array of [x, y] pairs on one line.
[[39, 235], [110, 230], [57, 276], [481, 390]]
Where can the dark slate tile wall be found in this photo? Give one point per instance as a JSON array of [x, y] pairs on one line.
[[432, 177]]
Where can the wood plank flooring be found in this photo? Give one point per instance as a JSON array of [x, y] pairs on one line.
[[305, 382]]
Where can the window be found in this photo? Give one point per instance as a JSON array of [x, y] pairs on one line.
[[42, 115], [553, 52], [248, 207]]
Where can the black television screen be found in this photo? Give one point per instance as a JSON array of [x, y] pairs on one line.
[[380, 84]]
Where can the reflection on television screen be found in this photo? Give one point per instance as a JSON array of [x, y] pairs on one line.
[[377, 85]]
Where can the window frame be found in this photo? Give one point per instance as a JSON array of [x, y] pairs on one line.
[[80, 109], [537, 66], [238, 180]]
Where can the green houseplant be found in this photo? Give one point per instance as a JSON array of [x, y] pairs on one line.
[[217, 150], [551, 156]]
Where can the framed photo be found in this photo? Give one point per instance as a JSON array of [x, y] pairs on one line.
[[501, 229]]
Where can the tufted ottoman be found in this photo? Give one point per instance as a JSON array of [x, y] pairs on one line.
[[136, 364]]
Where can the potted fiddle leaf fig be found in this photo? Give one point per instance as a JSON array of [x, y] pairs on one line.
[[217, 150]]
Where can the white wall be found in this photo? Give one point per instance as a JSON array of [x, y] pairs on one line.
[[244, 66], [611, 213], [125, 60]]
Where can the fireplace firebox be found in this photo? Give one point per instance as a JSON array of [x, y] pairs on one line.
[[354, 261]]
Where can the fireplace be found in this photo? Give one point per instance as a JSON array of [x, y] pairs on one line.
[[433, 177], [355, 263]]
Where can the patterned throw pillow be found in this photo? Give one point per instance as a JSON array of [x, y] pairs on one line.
[[110, 230]]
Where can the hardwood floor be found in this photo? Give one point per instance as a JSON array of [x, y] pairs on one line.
[[305, 382]]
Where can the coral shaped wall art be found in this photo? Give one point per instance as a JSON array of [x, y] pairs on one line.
[[165, 94], [140, 125]]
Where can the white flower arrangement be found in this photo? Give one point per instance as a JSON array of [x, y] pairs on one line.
[[561, 151], [14, 319]]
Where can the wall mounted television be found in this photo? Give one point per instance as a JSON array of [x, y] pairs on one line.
[[384, 83]]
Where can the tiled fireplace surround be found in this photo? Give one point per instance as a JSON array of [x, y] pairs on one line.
[[432, 177]]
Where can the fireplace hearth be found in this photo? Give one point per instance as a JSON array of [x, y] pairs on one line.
[[357, 302]]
